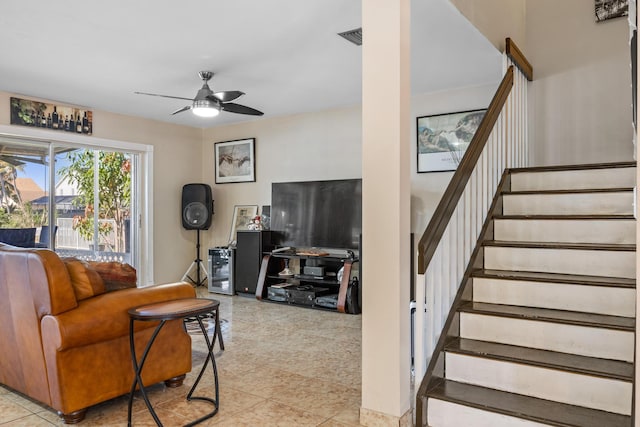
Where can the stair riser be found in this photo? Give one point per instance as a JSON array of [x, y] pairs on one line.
[[577, 389], [614, 203], [574, 339], [559, 296], [564, 261], [446, 414], [566, 231], [574, 180]]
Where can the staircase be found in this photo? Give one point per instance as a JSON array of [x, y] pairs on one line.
[[544, 331]]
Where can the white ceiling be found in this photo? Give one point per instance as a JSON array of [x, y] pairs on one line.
[[284, 54]]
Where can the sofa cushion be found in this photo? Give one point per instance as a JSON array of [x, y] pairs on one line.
[[85, 280], [116, 275]]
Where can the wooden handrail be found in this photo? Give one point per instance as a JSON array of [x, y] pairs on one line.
[[518, 58], [440, 219]]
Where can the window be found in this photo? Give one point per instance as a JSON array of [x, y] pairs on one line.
[[98, 210]]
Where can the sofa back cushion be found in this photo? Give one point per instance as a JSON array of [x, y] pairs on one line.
[[116, 275], [85, 280]]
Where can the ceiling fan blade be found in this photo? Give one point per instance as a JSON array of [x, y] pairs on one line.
[[188, 107], [163, 96], [228, 95], [240, 109]]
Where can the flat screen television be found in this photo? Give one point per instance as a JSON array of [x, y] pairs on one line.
[[324, 214]]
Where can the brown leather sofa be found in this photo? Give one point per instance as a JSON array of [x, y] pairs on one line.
[[71, 354]]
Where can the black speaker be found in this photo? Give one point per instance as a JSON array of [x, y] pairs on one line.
[[197, 206]]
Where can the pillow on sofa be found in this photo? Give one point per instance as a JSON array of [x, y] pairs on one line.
[[86, 281], [116, 275]]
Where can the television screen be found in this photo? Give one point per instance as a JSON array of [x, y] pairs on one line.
[[325, 214]]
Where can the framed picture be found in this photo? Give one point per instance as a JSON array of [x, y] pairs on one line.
[[242, 216], [607, 9], [235, 161], [25, 112], [443, 139]]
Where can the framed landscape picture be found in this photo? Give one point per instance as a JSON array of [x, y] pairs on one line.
[[235, 161], [443, 139]]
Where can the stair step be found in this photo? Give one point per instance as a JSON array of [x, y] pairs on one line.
[[574, 167], [588, 298], [568, 217], [579, 177], [577, 389], [555, 316], [616, 201], [629, 247], [612, 369], [593, 335], [556, 278], [566, 258], [456, 404], [621, 230]]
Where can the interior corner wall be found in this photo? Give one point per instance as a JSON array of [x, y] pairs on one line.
[[581, 93], [320, 146], [496, 19], [176, 161]]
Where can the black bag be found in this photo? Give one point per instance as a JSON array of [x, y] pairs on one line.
[[353, 290]]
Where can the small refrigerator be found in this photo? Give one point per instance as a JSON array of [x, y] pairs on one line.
[[221, 261]]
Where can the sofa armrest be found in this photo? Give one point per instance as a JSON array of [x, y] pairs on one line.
[[104, 317]]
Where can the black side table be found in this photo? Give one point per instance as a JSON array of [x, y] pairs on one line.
[[169, 310]]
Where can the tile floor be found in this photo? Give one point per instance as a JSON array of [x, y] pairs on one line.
[[282, 366]]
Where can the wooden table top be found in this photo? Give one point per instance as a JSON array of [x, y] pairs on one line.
[[174, 309]]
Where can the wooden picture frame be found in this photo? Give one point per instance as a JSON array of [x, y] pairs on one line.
[[242, 216], [235, 161], [442, 139]]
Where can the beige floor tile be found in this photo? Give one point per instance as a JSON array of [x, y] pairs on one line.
[[10, 410], [29, 421], [272, 414]]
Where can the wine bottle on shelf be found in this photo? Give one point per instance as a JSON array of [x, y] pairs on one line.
[[78, 124], [38, 120], [85, 123], [33, 119], [43, 120], [49, 121], [54, 118], [66, 122], [72, 124]]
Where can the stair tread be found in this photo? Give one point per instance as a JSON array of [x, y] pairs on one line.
[[566, 217], [586, 166], [550, 315], [613, 369], [530, 408], [562, 245], [572, 191], [556, 278]]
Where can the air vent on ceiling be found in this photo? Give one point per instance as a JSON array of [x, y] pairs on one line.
[[354, 36]]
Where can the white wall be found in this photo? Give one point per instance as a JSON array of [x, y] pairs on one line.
[[581, 94], [176, 157], [324, 145], [496, 19]]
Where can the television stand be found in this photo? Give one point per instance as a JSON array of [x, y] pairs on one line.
[[312, 281]]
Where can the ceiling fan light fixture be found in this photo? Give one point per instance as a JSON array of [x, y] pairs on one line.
[[205, 108]]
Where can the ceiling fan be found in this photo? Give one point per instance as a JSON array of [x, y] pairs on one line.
[[208, 103]]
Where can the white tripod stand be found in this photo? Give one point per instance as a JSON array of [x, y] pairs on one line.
[[199, 267]]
